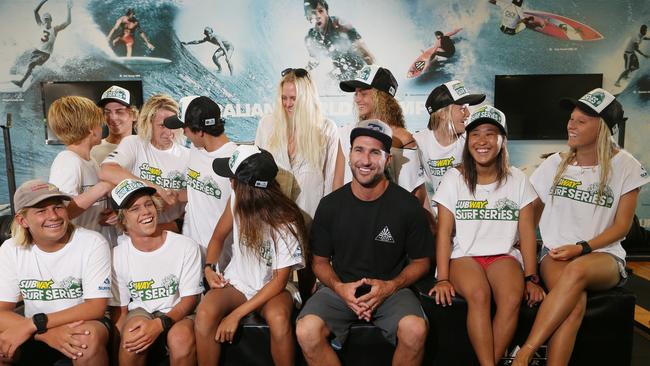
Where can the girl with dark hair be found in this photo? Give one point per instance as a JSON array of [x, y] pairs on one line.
[[488, 204], [268, 236], [587, 199]]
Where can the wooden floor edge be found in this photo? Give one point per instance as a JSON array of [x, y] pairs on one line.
[[642, 317]]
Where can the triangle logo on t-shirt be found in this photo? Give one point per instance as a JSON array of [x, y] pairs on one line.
[[385, 236]]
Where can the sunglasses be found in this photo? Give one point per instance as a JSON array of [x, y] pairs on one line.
[[301, 73]]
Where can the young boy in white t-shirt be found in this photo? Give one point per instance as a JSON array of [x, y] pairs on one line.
[[156, 280], [77, 122], [200, 119], [62, 274]]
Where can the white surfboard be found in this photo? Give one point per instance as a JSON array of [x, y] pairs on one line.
[[142, 61]]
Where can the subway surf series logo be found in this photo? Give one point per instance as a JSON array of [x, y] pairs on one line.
[[175, 179], [49, 290], [438, 167], [207, 186], [146, 291], [504, 210], [571, 189]]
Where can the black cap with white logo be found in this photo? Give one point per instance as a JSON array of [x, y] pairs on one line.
[[452, 92], [372, 76], [195, 112], [115, 94]]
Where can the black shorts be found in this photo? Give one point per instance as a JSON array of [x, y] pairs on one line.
[[631, 61], [338, 317], [38, 57], [35, 352]]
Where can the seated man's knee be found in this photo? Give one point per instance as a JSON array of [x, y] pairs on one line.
[[310, 330], [96, 340], [412, 331], [181, 341]]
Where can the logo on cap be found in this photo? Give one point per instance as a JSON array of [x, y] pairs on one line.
[[460, 89], [594, 98], [364, 74], [487, 112], [375, 127], [117, 93], [127, 186]]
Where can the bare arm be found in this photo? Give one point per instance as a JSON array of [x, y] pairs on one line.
[[538, 208], [365, 53], [146, 40], [198, 41], [183, 308], [82, 202], [68, 20], [221, 231], [115, 27], [622, 221], [453, 32], [527, 239], [443, 241], [37, 16]]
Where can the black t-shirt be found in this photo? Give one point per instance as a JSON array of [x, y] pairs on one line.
[[372, 239]]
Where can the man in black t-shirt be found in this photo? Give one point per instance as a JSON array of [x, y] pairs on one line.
[[371, 241]]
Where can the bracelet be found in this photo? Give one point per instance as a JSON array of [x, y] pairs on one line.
[[438, 281]]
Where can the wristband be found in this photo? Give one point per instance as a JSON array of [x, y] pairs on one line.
[[166, 321], [40, 321], [532, 278], [586, 249], [438, 281]]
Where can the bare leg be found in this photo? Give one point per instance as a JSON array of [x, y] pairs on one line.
[[216, 304], [129, 49], [215, 58], [565, 302], [471, 282], [277, 312], [411, 335], [312, 335], [127, 358], [96, 340], [507, 283], [181, 343]]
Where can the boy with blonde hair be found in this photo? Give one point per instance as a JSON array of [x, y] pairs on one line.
[[77, 122]]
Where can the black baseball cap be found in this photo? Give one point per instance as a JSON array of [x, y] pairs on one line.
[[451, 92], [376, 129], [195, 112], [372, 76], [248, 164], [598, 103]]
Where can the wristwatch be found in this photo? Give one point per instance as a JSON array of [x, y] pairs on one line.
[[212, 266], [166, 321], [586, 249], [40, 321], [532, 278]]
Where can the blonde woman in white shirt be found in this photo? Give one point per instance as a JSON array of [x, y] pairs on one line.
[[587, 199]]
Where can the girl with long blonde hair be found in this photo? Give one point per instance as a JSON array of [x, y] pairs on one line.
[[587, 199]]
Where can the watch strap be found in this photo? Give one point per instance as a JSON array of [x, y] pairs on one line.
[[586, 249], [166, 321]]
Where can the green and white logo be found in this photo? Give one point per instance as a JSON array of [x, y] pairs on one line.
[[438, 167], [48, 290], [173, 180], [504, 210], [233, 159], [146, 291], [595, 98], [364, 74], [207, 186], [459, 87], [570, 188]]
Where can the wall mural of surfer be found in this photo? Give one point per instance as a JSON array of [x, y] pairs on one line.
[[234, 50]]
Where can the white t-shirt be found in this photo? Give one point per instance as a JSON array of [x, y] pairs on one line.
[[632, 43], [573, 210], [486, 222], [405, 170], [99, 152], [156, 281], [166, 168], [50, 282], [248, 272], [437, 159], [302, 182], [511, 15], [48, 36], [74, 175], [207, 197]]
